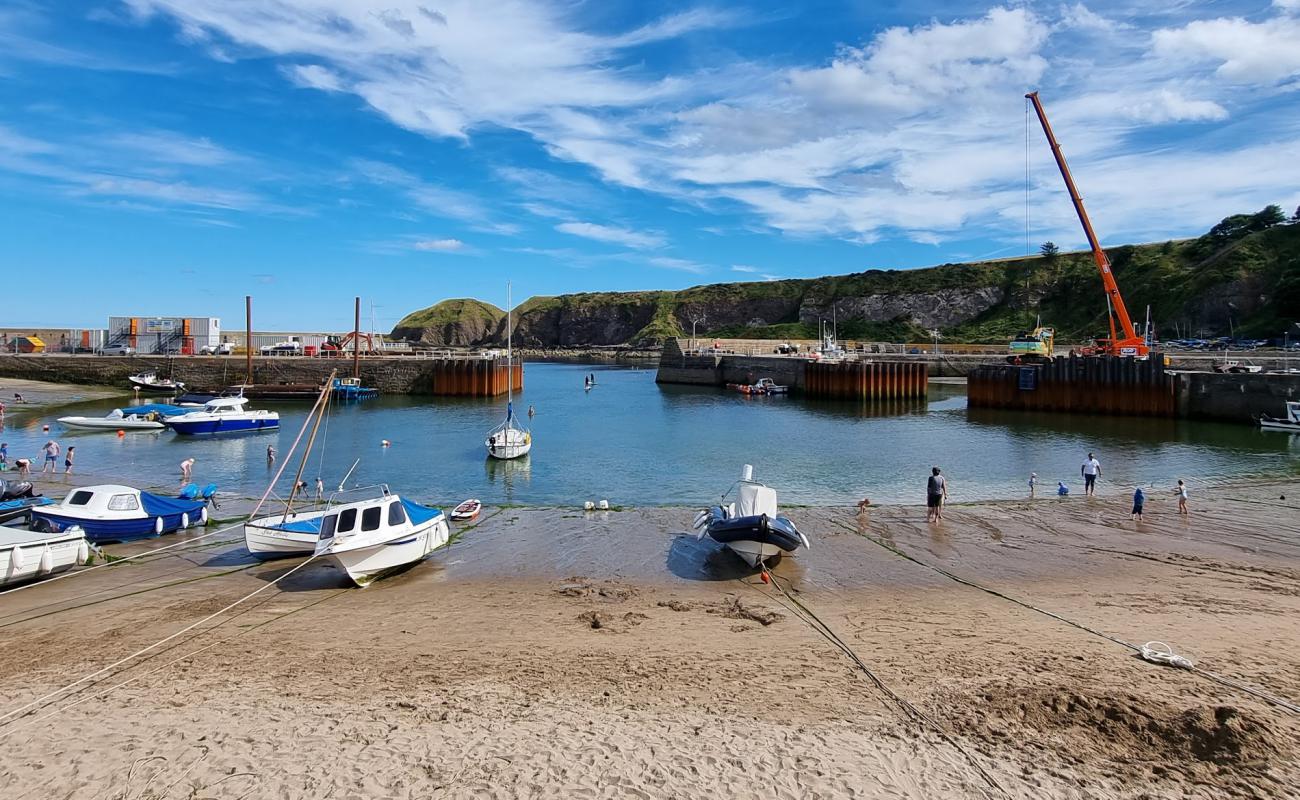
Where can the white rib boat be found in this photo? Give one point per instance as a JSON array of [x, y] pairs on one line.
[[381, 537], [25, 555], [115, 420]]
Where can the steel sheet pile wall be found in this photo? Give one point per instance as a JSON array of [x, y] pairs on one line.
[[866, 380], [1078, 385], [475, 377]]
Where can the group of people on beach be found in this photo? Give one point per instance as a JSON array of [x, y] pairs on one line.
[[51, 452], [936, 490]]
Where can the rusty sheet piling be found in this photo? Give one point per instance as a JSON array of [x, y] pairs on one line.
[[475, 377], [1077, 385], [866, 380]]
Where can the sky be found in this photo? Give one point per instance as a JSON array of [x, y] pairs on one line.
[[168, 157]]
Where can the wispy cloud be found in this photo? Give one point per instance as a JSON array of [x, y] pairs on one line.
[[743, 268], [439, 245], [640, 240], [683, 264]]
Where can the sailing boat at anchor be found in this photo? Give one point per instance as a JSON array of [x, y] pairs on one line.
[[510, 439]]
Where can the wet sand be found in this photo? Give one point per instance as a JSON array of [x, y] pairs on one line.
[[552, 653], [44, 395]]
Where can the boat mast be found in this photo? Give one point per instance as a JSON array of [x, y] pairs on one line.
[[356, 341], [248, 339], [510, 367]]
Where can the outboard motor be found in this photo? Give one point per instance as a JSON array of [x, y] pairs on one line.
[[16, 490]]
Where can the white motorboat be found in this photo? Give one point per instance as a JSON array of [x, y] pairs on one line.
[[751, 527], [25, 554], [374, 538], [295, 533], [150, 383], [510, 439], [115, 420], [114, 513], [224, 415], [1291, 422]]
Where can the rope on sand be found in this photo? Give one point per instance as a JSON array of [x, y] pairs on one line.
[[117, 560], [51, 695], [816, 623], [1220, 679]]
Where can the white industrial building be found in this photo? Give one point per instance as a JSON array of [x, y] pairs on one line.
[[180, 335]]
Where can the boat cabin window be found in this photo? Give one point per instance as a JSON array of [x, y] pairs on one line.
[[371, 517], [80, 498], [396, 514], [123, 502], [327, 526], [347, 520]]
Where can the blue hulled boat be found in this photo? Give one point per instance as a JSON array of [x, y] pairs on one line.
[[115, 513], [224, 415]]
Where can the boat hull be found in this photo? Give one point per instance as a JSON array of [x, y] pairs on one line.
[[107, 424], [364, 565], [211, 427], [266, 541], [121, 530], [25, 556], [755, 538], [1274, 424]]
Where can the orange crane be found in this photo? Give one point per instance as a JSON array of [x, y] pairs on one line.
[[1132, 344]]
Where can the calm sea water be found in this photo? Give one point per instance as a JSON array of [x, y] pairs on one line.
[[633, 442]]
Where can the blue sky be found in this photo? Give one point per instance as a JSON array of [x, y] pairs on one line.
[[171, 156]]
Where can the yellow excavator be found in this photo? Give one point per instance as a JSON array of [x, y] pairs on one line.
[[1032, 347]]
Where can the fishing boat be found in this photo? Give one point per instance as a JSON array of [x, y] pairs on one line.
[[351, 389], [751, 527], [149, 383], [764, 386], [25, 554], [116, 513], [224, 415], [116, 420], [1291, 422], [510, 439], [381, 537], [295, 533], [467, 510]]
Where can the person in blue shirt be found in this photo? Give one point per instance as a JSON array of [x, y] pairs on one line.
[[1061, 489], [1138, 500]]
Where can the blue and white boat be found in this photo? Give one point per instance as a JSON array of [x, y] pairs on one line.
[[116, 513], [224, 415]]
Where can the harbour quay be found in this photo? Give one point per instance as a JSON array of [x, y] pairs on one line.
[[444, 373]]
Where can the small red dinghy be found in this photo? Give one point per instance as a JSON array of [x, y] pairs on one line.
[[467, 510]]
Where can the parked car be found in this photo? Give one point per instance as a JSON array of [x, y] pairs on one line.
[[118, 350], [223, 349], [282, 349]]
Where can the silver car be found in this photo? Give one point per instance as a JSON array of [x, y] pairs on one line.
[[118, 350]]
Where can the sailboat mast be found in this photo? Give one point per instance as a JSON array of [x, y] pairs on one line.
[[510, 366]]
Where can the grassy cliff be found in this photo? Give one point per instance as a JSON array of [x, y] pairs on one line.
[[1242, 276]]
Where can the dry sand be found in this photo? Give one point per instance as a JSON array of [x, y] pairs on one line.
[[559, 654]]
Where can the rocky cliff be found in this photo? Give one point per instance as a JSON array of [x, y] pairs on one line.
[[1243, 274]]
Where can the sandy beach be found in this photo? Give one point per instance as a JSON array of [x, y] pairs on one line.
[[552, 653]]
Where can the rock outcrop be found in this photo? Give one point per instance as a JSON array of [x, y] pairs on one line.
[[452, 323]]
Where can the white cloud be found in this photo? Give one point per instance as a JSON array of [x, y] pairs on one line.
[[1245, 51], [314, 76], [743, 268], [682, 264], [442, 245], [613, 235], [1080, 17]]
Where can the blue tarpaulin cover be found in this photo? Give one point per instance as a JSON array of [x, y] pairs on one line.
[[418, 513], [161, 408]]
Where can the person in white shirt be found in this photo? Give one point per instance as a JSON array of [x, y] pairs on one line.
[[1091, 470]]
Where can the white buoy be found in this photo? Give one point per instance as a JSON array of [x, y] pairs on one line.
[[203, 516], [185, 519], [588, 506], [47, 562], [604, 505], [83, 552], [158, 525], [747, 472], [16, 558]]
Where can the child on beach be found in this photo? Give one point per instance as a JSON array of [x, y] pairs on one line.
[[4, 456], [187, 466], [1061, 489], [67, 460], [270, 455], [1138, 500], [24, 467], [1181, 491], [320, 489], [1033, 483]]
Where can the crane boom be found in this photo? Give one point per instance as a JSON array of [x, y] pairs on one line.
[[1132, 344]]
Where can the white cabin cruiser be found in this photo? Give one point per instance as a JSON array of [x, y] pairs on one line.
[[224, 415], [295, 533], [375, 538], [25, 554]]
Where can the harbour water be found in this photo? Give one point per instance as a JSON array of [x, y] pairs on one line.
[[633, 442]]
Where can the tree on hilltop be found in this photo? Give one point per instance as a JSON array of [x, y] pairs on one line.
[[1049, 251]]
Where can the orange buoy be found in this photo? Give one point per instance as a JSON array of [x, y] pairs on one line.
[[764, 577], [121, 432]]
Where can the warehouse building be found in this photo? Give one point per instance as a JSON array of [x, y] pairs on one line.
[[176, 335]]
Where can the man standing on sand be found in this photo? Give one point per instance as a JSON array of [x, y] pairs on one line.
[[1091, 470], [936, 492], [51, 450]]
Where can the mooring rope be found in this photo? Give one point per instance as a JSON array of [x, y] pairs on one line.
[[827, 632], [117, 560], [38, 701], [1213, 676]]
